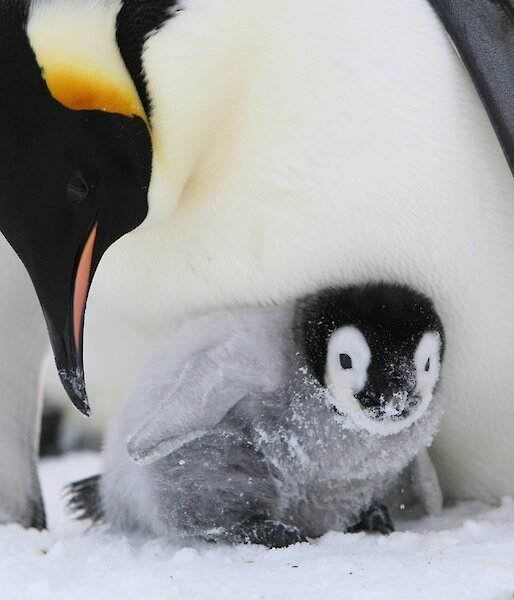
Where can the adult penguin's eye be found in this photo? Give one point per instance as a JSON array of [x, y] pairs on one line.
[[345, 361], [77, 189]]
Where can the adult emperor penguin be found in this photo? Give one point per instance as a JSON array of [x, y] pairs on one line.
[[259, 150]]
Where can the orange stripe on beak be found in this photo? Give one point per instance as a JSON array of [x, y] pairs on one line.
[[82, 287]]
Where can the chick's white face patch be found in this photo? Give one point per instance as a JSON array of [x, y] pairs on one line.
[[346, 371], [427, 361], [348, 359]]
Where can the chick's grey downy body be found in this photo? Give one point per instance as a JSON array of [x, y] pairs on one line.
[[285, 457], [195, 377], [237, 438]]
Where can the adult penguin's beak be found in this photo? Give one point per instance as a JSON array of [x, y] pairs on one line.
[[66, 335]]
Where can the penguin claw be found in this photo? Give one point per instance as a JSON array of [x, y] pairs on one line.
[[266, 532], [376, 518]]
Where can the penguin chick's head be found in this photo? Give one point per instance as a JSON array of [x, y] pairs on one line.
[[378, 350], [75, 156]]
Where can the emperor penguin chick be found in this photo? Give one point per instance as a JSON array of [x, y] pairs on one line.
[[314, 446]]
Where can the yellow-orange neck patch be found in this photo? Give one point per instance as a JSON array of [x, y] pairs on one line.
[[75, 45], [79, 90]]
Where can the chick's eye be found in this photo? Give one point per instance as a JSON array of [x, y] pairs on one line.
[[427, 365], [345, 361], [77, 189]]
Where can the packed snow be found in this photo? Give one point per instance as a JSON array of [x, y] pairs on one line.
[[467, 553]]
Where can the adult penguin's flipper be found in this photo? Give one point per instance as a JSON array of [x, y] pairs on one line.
[[483, 33]]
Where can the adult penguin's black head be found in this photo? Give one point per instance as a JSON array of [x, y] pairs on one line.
[[75, 157]]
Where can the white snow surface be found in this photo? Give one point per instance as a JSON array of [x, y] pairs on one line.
[[467, 553]]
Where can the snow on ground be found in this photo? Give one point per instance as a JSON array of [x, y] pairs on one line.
[[467, 553]]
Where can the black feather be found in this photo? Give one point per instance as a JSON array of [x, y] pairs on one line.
[[138, 20], [84, 499]]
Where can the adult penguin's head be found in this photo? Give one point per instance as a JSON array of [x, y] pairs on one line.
[[75, 153]]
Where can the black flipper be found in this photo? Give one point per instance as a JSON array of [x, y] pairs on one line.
[[376, 518], [84, 499], [483, 33]]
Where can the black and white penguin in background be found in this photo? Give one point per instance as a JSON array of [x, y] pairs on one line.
[[317, 409], [258, 151]]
